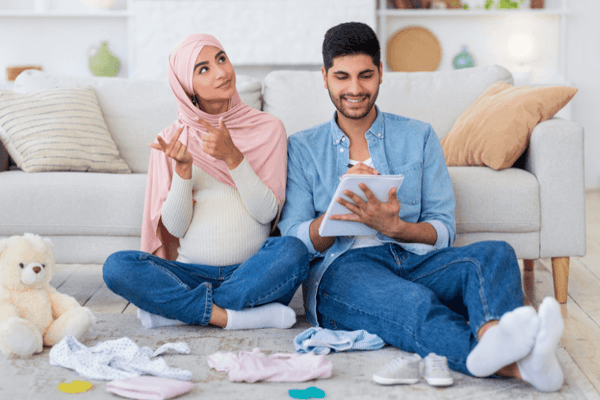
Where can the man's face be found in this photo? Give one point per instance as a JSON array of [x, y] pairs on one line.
[[353, 84]]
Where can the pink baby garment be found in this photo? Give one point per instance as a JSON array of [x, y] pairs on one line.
[[280, 367], [149, 388]]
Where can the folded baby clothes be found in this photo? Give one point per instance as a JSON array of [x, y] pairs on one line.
[[253, 366], [116, 359], [148, 388], [322, 341]]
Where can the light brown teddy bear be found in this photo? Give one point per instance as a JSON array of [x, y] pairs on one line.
[[33, 313]]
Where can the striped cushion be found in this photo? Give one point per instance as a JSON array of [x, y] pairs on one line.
[[59, 129]]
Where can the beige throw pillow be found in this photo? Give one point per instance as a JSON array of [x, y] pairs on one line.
[[495, 130], [58, 130]]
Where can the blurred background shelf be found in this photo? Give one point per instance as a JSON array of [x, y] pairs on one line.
[[491, 36], [63, 14]]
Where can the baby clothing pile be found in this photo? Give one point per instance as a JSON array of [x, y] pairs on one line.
[[117, 359], [123, 362]]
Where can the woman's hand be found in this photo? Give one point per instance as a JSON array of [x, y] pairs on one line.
[[178, 152], [218, 143]]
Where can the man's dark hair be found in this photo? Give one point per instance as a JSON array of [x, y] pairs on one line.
[[350, 38]]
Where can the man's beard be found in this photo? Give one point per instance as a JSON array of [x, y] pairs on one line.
[[339, 105]]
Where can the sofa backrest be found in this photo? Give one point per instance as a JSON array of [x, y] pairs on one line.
[[135, 111], [300, 100]]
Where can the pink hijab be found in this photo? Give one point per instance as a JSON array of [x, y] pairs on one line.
[[260, 137]]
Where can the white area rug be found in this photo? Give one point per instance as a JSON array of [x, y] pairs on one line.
[[34, 378]]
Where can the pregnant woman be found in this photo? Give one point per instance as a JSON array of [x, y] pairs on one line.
[[216, 184]]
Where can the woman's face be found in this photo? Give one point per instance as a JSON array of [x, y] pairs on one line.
[[214, 80]]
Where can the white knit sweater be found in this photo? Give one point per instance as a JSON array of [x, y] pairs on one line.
[[226, 225]]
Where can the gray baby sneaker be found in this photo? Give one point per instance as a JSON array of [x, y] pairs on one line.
[[436, 371], [404, 369]]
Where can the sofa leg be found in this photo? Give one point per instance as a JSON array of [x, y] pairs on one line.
[[560, 275], [528, 282]]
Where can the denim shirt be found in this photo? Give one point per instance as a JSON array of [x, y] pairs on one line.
[[318, 157]]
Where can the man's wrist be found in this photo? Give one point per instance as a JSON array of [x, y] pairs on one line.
[[399, 230], [319, 242], [415, 232]]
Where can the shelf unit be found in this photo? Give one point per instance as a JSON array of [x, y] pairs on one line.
[[466, 13], [387, 16], [76, 25], [64, 14]]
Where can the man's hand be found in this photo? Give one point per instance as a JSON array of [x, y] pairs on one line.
[[323, 243], [218, 143], [383, 217], [361, 169], [178, 152]]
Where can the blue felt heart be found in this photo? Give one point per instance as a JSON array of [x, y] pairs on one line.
[[308, 393]]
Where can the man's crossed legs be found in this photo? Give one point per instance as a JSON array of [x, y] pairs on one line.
[[439, 303]]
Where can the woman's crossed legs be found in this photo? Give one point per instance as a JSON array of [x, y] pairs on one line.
[[250, 295]]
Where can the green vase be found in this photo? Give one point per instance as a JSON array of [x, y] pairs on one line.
[[104, 63], [463, 60]]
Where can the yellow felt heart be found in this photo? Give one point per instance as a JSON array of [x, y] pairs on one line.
[[75, 387]]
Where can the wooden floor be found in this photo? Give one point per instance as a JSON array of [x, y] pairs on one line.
[[579, 353], [582, 312]]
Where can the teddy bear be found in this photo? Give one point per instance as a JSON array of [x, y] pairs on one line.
[[34, 314]]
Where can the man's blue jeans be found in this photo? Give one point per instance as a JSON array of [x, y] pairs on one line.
[[434, 303], [186, 292]]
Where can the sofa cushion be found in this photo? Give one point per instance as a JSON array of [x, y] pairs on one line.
[[495, 129], [71, 203], [495, 201], [58, 130], [135, 111], [438, 98]]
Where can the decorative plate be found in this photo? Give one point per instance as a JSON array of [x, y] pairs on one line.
[[413, 49]]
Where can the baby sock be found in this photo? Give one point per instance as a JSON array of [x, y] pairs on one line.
[[541, 368], [154, 321], [505, 343], [273, 315]]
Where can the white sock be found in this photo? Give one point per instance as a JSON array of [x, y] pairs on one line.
[[154, 321], [505, 343], [541, 368], [273, 315]]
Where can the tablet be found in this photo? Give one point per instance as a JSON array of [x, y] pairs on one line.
[[380, 185]]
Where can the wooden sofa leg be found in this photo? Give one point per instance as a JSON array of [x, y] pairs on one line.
[[528, 281], [560, 274]]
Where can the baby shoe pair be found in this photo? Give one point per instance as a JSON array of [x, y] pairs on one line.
[[406, 369]]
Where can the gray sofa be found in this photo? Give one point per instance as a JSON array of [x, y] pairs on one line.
[[538, 209]]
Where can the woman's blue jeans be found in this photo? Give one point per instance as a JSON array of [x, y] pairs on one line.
[[434, 303], [186, 292]]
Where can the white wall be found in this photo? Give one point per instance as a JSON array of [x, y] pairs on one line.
[[255, 33], [583, 70], [61, 46]]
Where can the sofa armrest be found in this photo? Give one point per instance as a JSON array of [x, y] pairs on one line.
[[4, 159], [555, 157]]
